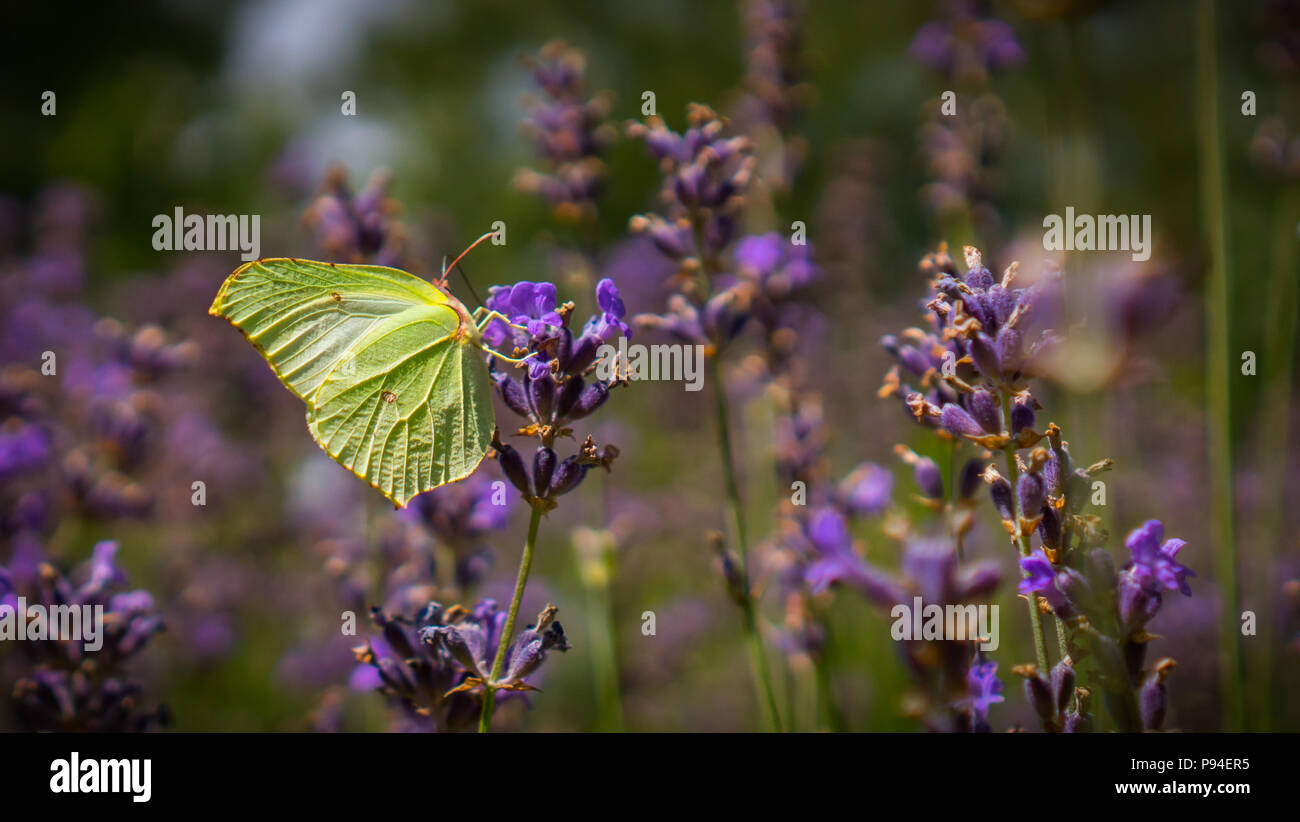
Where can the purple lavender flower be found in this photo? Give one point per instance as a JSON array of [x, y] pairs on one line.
[[358, 228], [608, 325], [569, 132], [985, 689], [1039, 573], [417, 677], [866, 490], [834, 560], [23, 448], [462, 516], [81, 685], [965, 44], [1154, 564], [554, 390]]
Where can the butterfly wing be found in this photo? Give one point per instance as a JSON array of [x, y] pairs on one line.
[[395, 391]]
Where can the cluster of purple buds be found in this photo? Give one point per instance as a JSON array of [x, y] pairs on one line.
[[569, 131], [966, 44], [433, 667], [418, 678], [986, 338], [1110, 610], [958, 507], [956, 686], [361, 227], [774, 95], [1060, 706], [79, 683], [773, 31], [461, 516], [1049, 497], [962, 158], [706, 175], [557, 386]]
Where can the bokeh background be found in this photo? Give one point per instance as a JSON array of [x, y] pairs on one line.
[[234, 108]]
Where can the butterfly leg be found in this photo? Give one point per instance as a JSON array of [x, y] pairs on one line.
[[512, 360], [488, 315]]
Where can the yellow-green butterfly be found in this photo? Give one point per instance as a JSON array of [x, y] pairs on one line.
[[390, 365]]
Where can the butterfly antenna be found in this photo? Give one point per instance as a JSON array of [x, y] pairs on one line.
[[464, 275], [446, 268]]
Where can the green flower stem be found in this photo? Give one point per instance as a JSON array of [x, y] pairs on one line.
[[1013, 476], [736, 528], [521, 580], [600, 628], [1218, 384], [1274, 424], [829, 708]]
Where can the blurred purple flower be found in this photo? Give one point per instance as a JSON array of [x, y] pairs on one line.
[[985, 689], [1154, 564]]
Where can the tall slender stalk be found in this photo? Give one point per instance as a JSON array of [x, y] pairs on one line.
[[735, 513], [1275, 414], [735, 516], [1217, 364], [1013, 476], [503, 642], [596, 573]]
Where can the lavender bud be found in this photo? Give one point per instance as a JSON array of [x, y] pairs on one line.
[[1002, 301], [1137, 605], [1000, 491], [568, 476], [453, 641], [1075, 590], [929, 477], [1039, 693], [543, 468], [957, 422], [393, 634], [582, 355], [592, 397], [971, 476], [1049, 528], [1022, 417], [983, 406], [1008, 344], [977, 306], [541, 394], [984, 353], [512, 394], [1078, 723], [1078, 487], [1031, 494], [526, 657], [512, 465], [570, 392], [980, 279], [1051, 471], [1153, 701], [1062, 684]]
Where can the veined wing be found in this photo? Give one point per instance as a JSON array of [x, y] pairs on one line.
[[304, 316], [395, 391], [406, 410]]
